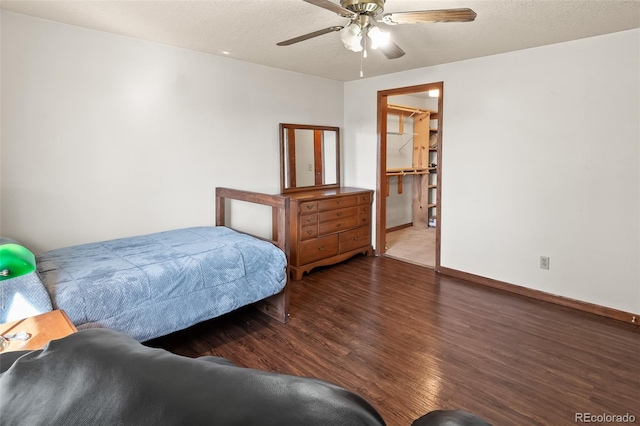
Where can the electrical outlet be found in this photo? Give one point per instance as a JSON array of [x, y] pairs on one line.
[[310, 167], [544, 262]]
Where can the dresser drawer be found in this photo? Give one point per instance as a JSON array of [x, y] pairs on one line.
[[364, 199], [308, 207], [332, 226], [318, 249], [364, 215], [364, 220], [308, 232], [337, 214], [308, 219], [337, 203], [354, 239]]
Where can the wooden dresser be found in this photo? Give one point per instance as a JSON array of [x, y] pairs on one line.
[[328, 226]]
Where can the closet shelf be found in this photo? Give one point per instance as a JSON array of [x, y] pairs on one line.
[[412, 110], [410, 171]]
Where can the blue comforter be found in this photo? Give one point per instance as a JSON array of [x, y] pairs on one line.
[[151, 285]]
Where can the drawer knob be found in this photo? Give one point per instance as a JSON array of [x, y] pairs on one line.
[[355, 238], [339, 214], [309, 206], [309, 232], [309, 219], [339, 225], [339, 202], [320, 248], [366, 209]]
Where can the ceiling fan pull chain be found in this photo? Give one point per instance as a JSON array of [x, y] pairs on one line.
[[361, 61], [364, 43]]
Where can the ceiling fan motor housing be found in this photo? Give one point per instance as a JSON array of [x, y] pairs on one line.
[[366, 7]]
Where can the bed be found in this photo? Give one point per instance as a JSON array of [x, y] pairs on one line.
[[152, 285]]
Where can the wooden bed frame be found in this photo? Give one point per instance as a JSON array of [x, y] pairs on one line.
[[276, 306]]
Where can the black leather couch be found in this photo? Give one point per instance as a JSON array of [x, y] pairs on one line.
[[102, 377]]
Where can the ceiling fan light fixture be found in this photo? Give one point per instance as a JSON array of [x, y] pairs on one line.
[[351, 40], [354, 28], [378, 37], [363, 14]]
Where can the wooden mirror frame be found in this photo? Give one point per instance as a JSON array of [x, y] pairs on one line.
[[287, 151]]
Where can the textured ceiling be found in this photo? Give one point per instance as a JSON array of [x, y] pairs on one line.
[[250, 29]]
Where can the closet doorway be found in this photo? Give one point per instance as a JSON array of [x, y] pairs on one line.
[[409, 175]]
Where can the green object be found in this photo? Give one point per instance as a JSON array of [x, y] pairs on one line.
[[15, 261]]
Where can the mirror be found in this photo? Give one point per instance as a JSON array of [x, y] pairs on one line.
[[309, 157]]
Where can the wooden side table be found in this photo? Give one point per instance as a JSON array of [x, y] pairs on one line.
[[43, 328]]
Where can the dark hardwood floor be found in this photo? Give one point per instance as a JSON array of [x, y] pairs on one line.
[[411, 341]]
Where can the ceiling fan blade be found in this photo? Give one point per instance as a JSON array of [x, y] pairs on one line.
[[310, 35], [391, 50], [326, 4], [444, 15]]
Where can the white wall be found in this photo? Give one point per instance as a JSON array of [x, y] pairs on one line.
[[106, 136], [541, 156]]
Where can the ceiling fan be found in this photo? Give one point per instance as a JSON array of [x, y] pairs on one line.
[[364, 13]]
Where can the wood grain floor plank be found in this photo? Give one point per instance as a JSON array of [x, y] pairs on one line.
[[411, 341]]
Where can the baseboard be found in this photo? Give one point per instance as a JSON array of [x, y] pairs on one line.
[[541, 295], [399, 227]]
